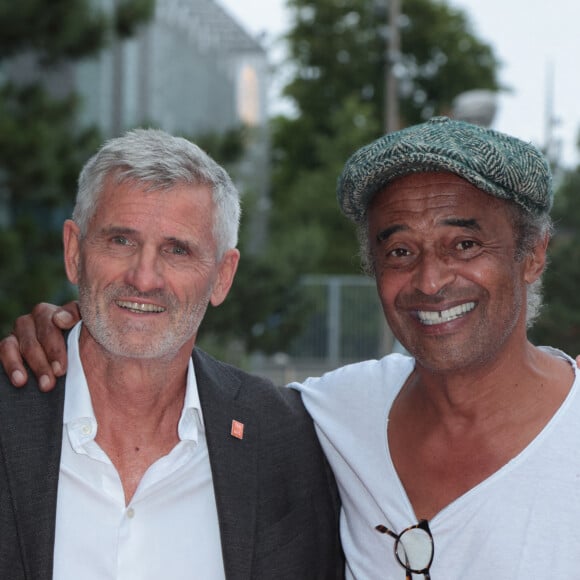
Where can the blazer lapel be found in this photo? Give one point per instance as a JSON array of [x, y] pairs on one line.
[[31, 438], [233, 461]]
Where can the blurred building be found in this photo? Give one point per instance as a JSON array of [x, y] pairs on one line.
[[192, 70]]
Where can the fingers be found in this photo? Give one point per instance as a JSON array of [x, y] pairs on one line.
[[37, 339], [30, 350], [44, 346], [67, 315], [12, 361]]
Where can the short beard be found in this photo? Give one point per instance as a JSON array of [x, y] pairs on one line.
[[182, 326]]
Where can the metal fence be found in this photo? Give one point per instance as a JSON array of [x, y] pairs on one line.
[[346, 325]]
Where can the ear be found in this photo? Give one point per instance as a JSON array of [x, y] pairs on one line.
[[226, 271], [536, 261], [71, 241]]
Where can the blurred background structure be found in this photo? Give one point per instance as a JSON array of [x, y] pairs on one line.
[[74, 72]]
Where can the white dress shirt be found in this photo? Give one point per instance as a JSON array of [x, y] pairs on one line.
[[169, 530]]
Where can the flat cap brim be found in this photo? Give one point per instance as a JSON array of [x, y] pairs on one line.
[[496, 163]]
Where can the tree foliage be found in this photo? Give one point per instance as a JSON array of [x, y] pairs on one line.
[[265, 307], [559, 323], [40, 154], [42, 146], [65, 29], [337, 48]]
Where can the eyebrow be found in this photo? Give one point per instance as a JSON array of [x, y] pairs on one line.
[[116, 230], [469, 224], [388, 232], [185, 244]]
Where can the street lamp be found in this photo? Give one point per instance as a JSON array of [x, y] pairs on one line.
[[477, 106]]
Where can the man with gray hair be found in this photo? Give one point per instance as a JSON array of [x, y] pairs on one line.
[[151, 459], [460, 460]]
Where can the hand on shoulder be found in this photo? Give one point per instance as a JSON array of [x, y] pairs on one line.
[[37, 339]]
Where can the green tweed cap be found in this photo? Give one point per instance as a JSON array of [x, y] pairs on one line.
[[496, 163]]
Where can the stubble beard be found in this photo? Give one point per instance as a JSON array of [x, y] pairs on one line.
[[137, 339]]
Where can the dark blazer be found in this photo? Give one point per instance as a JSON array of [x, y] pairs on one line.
[[276, 499]]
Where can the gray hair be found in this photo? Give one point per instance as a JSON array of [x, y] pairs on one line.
[[529, 230], [162, 161]]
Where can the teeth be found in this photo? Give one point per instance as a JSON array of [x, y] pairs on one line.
[[140, 307], [429, 318]]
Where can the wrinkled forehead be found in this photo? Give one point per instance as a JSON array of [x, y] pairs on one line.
[[430, 188], [428, 202]]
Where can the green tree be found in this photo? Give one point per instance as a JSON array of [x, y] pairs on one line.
[[337, 48], [42, 147], [265, 307], [559, 322]]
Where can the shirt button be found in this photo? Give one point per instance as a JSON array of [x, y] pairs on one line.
[[87, 429], [130, 513]]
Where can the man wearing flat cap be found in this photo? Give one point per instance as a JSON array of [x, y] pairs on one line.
[[459, 461]]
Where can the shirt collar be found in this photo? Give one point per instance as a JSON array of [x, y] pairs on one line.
[[79, 417]]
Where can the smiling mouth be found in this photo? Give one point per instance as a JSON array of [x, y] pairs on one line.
[[429, 317], [140, 307]]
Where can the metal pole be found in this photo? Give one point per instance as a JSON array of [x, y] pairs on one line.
[[391, 116], [393, 54], [334, 320]]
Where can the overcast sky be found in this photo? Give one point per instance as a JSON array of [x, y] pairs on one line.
[[537, 41]]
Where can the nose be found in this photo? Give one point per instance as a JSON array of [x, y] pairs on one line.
[[145, 273], [432, 274]]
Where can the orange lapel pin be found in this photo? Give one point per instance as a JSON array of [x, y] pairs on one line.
[[237, 429]]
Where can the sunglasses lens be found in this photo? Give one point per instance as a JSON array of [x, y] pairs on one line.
[[415, 549]]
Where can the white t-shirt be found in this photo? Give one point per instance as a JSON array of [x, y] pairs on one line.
[[521, 523]]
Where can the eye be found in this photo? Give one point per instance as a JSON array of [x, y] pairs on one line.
[[396, 257], [177, 250], [399, 253], [120, 241], [465, 245]]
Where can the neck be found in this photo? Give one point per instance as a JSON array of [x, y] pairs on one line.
[[517, 379], [132, 385], [456, 429], [137, 404]]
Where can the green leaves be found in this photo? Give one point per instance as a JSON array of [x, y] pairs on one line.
[[58, 30], [337, 48], [559, 322], [42, 145]]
